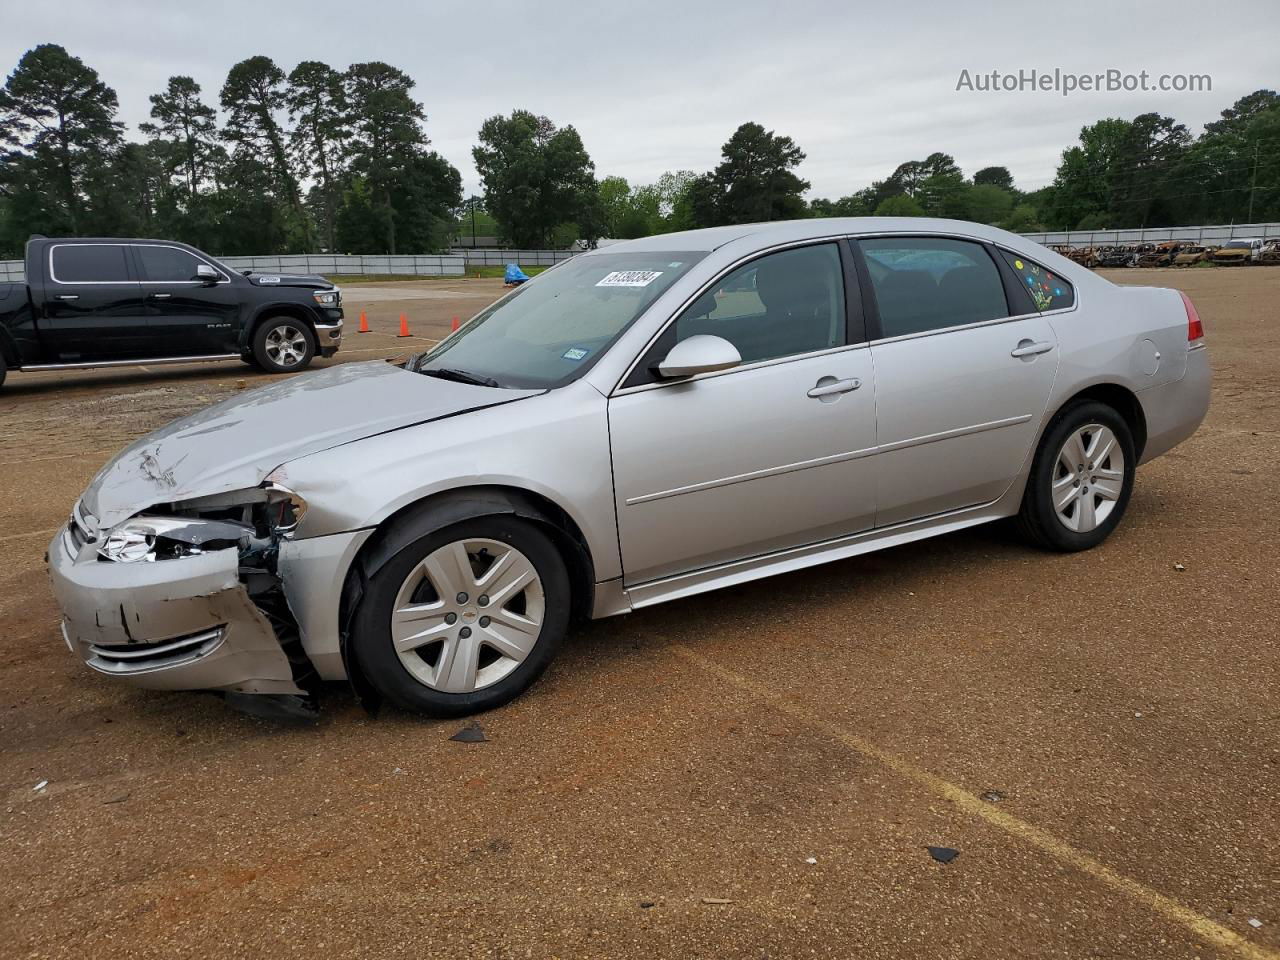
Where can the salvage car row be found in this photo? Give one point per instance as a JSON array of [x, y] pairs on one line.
[[1175, 253]]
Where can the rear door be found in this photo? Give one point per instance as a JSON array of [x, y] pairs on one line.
[[93, 306], [188, 317], [964, 364]]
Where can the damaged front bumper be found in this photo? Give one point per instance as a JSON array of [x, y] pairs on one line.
[[184, 624]]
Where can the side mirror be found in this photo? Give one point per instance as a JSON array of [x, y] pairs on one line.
[[702, 353], [206, 273]]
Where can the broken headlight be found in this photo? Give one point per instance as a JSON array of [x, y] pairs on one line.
[[217, 522], [147, 538]]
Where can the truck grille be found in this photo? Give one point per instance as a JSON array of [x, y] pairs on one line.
[[120, 659]]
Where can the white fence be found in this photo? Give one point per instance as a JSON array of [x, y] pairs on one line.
[[330, 264], [1202, 235], [12, 271], [526, 258]]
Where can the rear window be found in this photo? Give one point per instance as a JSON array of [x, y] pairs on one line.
[[1047, 289], [89, 263]]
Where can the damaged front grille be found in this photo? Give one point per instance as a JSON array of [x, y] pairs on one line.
[[120, 659]]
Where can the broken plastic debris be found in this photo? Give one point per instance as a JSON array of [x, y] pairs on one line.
[[715, 900], [472, 733], [397, 770], [811, 860], [1178, 566], [993, 796], [40, 786], [943, 854], [1138, 715], [646, 904], [1255, 922]]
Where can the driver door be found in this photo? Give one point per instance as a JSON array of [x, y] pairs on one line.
[[774, 453]]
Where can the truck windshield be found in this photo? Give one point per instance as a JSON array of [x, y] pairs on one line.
[[550, 331]]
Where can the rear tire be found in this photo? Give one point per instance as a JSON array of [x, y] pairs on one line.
[[3, 370], [430, 638], [283, 345], [1081, 479]]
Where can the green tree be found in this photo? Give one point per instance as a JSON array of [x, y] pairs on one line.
[[58, 120], [188, 129], [755, 181], [899, 206], [318, 109], [536, 177], [406, 196], [615, 203], [988, 203], [254, 97], [994, 177]]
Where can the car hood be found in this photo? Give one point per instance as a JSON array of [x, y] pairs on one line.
[[235, 444], [311, 280]]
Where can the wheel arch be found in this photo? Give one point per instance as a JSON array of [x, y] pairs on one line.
[[295, 311], [1121, 399], [416, 519]]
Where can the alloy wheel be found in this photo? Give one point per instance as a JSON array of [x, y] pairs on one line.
[[1088, 478], [286, 345], [467, 615]]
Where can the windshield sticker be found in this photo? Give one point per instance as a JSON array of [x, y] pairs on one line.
[[575, 353], [630, 278]]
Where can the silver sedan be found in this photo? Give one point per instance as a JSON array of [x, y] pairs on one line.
[[641, 423]]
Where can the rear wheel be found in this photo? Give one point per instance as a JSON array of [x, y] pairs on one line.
[[465, 618], [3, 370], [1081, 479], [283, 345]]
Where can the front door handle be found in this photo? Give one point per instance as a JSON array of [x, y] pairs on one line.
[[1029, 348], [67, 296], [829, 387], [160, 296]]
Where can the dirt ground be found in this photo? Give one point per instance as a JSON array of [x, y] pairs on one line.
[[753, 773]]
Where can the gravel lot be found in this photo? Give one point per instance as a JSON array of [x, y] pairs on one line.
[[752, 773]]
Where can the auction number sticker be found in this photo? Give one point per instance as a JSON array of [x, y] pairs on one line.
[[630, 278]]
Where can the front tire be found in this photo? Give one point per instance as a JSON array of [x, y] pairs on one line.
[[464, 618], [1081, 479], [283, 345]]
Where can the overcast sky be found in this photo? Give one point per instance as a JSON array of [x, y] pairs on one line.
[[656, 86]]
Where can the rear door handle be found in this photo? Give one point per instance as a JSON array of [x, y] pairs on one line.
[[67, 296], [1029, 348], [833, 387], [160, 296]]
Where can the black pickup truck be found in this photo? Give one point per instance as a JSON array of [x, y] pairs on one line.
[[112, 302]]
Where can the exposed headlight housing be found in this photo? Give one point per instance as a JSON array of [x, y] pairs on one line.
[[247, 519], [328, 298]]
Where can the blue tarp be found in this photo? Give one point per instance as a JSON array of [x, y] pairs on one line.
[[514, 274]]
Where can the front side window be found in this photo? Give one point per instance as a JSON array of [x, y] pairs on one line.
[[89, 263], [1047, 289], [167, 264], [783, 304], [931, 283], [552, 329]]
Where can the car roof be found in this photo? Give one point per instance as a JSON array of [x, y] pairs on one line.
[[783, 231]]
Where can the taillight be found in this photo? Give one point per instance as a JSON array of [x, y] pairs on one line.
[[1195, 329]]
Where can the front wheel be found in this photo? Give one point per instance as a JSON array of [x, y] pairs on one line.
[[283, 345], [1081, 479], [463, 619]]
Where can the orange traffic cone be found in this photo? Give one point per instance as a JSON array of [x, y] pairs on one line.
[[364, 323], [404, 326], [454, 326]]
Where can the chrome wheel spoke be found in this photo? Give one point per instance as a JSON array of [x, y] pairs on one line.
[[1086, 515], [418, 624], [459, 660], [449, 570], [509, 574], [511, 634], [1089, 478], [1064, 496], [1106, 488]]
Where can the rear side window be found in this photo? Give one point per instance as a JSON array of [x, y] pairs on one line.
[[166, 264], [931, 283], [89, 263], [1047, 289]]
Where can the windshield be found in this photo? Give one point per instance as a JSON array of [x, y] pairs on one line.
[[1239, 244], [552, 329]]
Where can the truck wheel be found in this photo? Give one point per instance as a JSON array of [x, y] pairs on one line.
[[283, 345], [2, 370]]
